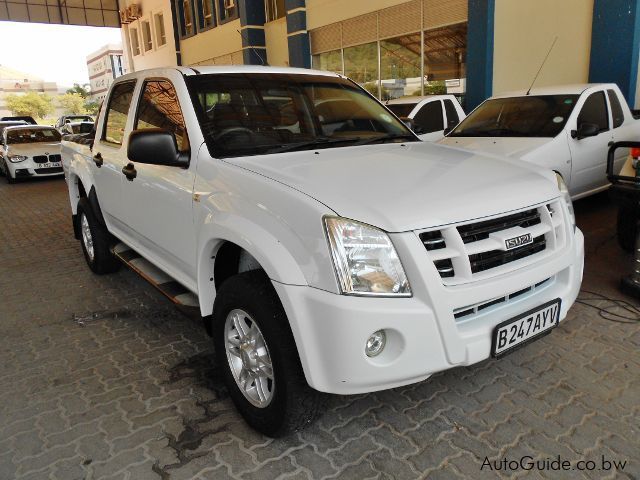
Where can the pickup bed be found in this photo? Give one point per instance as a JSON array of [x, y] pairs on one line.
[[325, 247], [566, 128]]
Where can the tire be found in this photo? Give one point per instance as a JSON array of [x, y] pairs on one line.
[[627, 227], [292, 404], [95, 240]]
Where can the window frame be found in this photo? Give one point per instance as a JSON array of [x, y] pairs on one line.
[[201, 17], [428, 105], [133, 33], [156, 33], [611, 96], [139, 103], [606, 107], [150, 40], [115, 85], [220, 7], [182, 26]]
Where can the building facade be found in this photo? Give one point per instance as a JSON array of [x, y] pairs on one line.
[[104, 65], [472, 48], [17, 83]]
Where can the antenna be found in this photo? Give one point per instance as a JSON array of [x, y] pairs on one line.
[[542, 65], [264, 64]]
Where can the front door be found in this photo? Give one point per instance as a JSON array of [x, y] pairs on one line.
[[588, 155], [159, 198], [429, 121]]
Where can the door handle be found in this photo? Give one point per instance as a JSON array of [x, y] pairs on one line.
[[98, 160], [130, 171]]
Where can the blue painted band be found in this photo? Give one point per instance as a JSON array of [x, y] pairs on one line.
[[293, 4], [296, 21], [253, 36], [480, 37], [299, 50], [251, 12], [254, 56]]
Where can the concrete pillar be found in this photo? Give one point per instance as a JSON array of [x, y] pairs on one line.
[[297, 35], [252, 20], [479, 52], [615, 45]]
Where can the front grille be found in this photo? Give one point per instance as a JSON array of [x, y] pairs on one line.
[[41, 171], [494, 258], [465, 313], [481, 230], [476, 250], [55, 158], [40, 159]]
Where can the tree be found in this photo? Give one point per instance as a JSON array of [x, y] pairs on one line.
[[372, 88], [92, 107], [34, 104], [82, 90], [72, 103]]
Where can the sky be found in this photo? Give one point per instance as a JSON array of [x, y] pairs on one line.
[[56, 53]]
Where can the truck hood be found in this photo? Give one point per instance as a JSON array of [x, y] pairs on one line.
[[401, 187], [514, 147], [31, 149]]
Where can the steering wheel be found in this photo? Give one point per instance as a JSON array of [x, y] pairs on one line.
[[230, 130]]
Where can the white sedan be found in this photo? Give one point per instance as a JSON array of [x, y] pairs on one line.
[[30, 151]]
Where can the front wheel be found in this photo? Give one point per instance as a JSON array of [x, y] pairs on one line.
[[258, 356], [95, 240], [627, 228]]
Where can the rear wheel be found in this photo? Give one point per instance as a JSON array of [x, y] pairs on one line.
[[95, 241], [627, 228], [258, 356]]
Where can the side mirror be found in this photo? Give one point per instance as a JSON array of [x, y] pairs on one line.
[[585, 130], [157, 147]]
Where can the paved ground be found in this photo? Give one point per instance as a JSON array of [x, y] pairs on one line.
[[100, 377]]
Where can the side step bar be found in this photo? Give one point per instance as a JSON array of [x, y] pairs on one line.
[[184, 299]]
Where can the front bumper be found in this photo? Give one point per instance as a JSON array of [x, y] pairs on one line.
[[423, 336], [29, 168]]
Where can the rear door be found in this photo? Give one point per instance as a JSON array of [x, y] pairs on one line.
[[618, 130], [588, 164], [159, 199], [109, 154], [429, 120]]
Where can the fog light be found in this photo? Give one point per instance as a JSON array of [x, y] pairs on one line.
[[375, 343]]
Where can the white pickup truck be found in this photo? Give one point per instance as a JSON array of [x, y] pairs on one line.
[[431, 115], [566, 128], [326, 253]]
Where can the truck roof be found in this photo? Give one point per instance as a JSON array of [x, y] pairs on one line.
[[220, 69], [569, 89], [417, 99]]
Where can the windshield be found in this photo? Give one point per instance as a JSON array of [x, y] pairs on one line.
[[401, 109], [77, 118], [252, 114], [530, 116], [32, 135]]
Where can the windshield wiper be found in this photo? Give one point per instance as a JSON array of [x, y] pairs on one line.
[[384, 138], [320, 141]]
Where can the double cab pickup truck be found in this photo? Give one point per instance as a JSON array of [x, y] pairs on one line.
[[324, 246], [566, 128]]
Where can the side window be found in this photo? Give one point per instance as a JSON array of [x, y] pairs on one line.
[[159, 108], [116, 116], [616, 109], [452, 114], [594, 111], [429, 117]]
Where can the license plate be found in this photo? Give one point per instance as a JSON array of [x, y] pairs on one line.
[[49, 165], [526, 327]]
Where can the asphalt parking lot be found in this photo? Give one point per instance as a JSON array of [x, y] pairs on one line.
[[101, 377]]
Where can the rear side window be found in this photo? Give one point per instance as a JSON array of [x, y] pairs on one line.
[[452, 114], [159, 108], [616, 109], [429, 118], [594, 111], [117, 111]]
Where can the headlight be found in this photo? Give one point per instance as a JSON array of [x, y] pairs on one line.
[[17, 158], [567, 198], [365, 260]]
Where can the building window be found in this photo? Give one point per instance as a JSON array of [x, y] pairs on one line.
[[329, 61], [445, 52], [400, 66], [361, 65], [161, 36], [227, 10], [206, 15], [135, 42], [186, 14], [116, 66], [147, 42], [274, 9]]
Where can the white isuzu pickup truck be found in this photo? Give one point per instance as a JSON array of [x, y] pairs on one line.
[[326, 248], [566, 128]]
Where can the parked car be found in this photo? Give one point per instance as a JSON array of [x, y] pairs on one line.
[[30, 151], [73, 128], [25, 118], [431, 115], [72, 118], [333, 254], [565, 128]]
